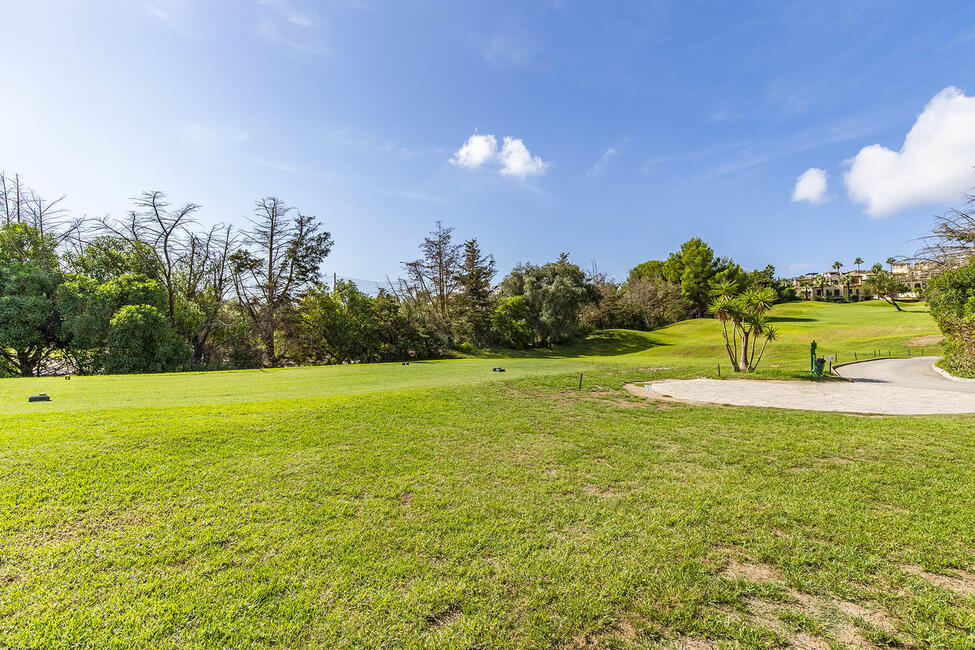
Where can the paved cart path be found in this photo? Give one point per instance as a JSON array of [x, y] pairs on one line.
[[887, 386], [917, 372]]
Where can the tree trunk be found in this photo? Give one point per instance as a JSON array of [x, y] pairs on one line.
[[26, 364], [267, 339], [743, 362]]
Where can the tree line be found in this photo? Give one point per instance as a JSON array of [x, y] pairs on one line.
[[156, 291]]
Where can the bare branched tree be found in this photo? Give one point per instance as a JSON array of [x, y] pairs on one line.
[[952, 240], [157, 234], [203, 280], [13, 197], [20, 204]]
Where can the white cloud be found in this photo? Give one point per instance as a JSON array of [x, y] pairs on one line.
[[933, 166], [604, 159], [514, 158], [477, 151], [811, 186]]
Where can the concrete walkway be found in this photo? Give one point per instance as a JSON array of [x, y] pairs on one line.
[[887, 386]]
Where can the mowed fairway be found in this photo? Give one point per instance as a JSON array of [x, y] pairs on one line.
[[443, 505]]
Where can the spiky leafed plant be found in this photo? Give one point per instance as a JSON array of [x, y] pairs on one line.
[[770, 334], [726, 310], [742, 315]]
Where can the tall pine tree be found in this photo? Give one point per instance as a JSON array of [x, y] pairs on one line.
[[475, 301]]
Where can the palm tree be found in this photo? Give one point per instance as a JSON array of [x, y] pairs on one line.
[[890, 261], [820, 281], [858, 261], [837, 266]]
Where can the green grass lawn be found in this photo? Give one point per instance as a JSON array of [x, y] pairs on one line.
[[443, 505]]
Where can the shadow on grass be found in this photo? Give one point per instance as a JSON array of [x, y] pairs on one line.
[[604, 343], [791, 319]]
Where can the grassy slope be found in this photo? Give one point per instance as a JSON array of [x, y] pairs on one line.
[[397, 506]]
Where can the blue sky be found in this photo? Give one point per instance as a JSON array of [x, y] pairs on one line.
[[630, 126]]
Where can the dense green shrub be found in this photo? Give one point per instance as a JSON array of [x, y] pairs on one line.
[[87, 309], [141, 340], [346, 325], [510, 323], [951, 297]]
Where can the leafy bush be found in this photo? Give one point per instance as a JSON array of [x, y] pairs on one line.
[[510, 323], [141, 340], [555, 294], [951, 297], [87, 309]]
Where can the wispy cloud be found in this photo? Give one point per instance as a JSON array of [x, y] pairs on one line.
[[511, 46], [364, 141], [651, 165], [417, 195], [298, 28], [292, 14], [174, 13], [213, 134], [271, 164], [603, 161]]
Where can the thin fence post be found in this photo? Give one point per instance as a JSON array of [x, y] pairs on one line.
[[855, 358], [580, 381], [719, 370]]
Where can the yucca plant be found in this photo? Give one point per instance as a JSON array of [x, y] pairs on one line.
[[743, 319]]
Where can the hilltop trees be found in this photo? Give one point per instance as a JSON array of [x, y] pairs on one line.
[[693, 267], [696, 271]]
